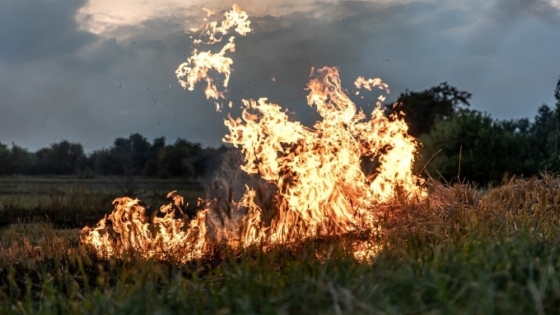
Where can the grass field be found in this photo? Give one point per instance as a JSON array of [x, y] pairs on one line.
[[69, 202], [462, 251]]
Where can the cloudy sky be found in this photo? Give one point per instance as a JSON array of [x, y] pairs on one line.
[[91, 71]]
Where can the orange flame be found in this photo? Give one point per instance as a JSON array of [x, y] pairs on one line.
[[164, 238], [322, 188], [197, 66], [320, 179]]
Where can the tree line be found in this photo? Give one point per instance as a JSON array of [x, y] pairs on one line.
[[456, 143], [132, 156], [459, 143]]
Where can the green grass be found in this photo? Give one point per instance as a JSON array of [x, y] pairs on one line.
[[461, 251]]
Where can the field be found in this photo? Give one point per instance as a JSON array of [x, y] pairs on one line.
[[462, 251]]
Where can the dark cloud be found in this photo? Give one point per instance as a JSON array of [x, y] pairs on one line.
[[58, 82], [357, 37], [488, 44], [98, 57], [495, 25], [36, 29]]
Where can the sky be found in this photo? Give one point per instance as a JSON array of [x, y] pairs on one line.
[[92, 71]]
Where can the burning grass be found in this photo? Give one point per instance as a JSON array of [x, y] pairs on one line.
[[463, 250], [316, 182]]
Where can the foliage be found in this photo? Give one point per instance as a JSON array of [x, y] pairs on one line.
[[472, 145], [461, 144], [423, 108], [15, 160], [59, 159], [132, 156]]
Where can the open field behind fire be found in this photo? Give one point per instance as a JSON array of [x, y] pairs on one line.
[[70, 202], [461, 251]]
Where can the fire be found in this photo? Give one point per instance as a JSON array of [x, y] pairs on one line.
[[164, 238], [316, 176], [197, 66]]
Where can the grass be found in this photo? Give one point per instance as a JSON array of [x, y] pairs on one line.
[[69, 202], [462, 251]]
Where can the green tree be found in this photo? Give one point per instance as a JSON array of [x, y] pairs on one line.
[[106, 163], [557, 94], [178, 159], [140, 152], [421, 109], [60, 159], [6, 167], [23, 160], [154, 164], [543, 137], [475, 147]]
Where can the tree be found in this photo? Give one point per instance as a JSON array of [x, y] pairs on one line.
[[179, 158], [486, 150], [140, 152], [5, 160], [543, 138], [106, 163], [154, 164], [557, 93], [557, 114], [60, 159], [421, 109], [23, 160]]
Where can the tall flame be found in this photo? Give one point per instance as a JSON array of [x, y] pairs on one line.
[[317, 178]]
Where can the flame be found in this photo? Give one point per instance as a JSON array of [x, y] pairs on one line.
[[197, 66], [164, 238], [322, 188], [318, 182]]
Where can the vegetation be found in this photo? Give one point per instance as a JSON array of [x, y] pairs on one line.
[[69, 202], [461, 251], [132, 156], [460, 144]]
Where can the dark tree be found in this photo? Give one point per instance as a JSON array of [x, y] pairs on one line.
[[486, 150], [179, 158], [557, 93], [107, 163], [6, 167], [24, 160], [60, 159], [542, 138], [421, 109], [154, 163]]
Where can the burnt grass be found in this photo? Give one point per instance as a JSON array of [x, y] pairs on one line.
[[461, 251]]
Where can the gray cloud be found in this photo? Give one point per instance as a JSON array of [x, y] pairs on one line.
[[495, 25], [35, 29]]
